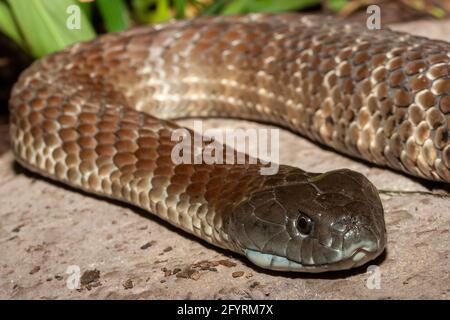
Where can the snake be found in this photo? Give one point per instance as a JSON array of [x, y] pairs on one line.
[[100, 116]]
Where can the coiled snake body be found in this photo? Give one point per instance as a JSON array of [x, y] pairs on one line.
[[95, 116]]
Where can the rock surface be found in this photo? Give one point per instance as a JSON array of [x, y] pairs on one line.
[[52, 236]]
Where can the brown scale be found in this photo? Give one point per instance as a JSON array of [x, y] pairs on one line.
[[379, 95]]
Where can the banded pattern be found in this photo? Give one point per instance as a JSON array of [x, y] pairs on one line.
[[98, 116]]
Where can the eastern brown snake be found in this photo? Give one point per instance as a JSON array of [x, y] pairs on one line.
[[94, 115]]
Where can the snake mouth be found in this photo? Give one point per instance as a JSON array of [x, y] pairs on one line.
[[359, 257]]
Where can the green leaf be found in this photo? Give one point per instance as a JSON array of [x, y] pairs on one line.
[[162, 12], [180, 6], [247, 6], [438, 12], [114, 14], [86, 7], [140, 9], [237, 6], [152, 11], [336, 5], [8, 25], [214, 8], [49, 25]]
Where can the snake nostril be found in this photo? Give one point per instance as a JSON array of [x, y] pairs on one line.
[[360, 238], [339, 226]]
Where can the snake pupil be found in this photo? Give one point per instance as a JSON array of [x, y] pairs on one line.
[[304, 224]]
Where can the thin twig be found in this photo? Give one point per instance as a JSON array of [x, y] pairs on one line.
[[412, 192]]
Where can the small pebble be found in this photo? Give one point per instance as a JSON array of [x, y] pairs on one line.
[[176, 270], [17, 229], [227, 263], [128, 284], [148, 245], [89, 277], [188, 273], [195, 275], [35, 269]]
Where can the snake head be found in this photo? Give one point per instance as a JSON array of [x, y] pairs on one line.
[[324, 222]]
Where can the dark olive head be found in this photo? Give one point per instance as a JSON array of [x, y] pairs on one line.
[[330, 221]]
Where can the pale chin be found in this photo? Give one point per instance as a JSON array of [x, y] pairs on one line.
[[278, 263]]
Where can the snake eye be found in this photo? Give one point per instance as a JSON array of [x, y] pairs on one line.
[[304, 224]]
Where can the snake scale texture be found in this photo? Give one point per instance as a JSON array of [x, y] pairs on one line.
[[96, 116]]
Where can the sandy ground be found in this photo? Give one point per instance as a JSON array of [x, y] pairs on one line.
[[51, 235]]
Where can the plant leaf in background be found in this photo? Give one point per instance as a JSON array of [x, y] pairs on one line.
[[162, 12], [8, 26], [115, 14], [86, 7], [180, 6], [214, 8], [435, 9], [336, 5], [152, 11], [247, 6], [140, 8], [44, 25]]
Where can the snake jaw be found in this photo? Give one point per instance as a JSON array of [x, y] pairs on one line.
[[274, 262], [355, 256]]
